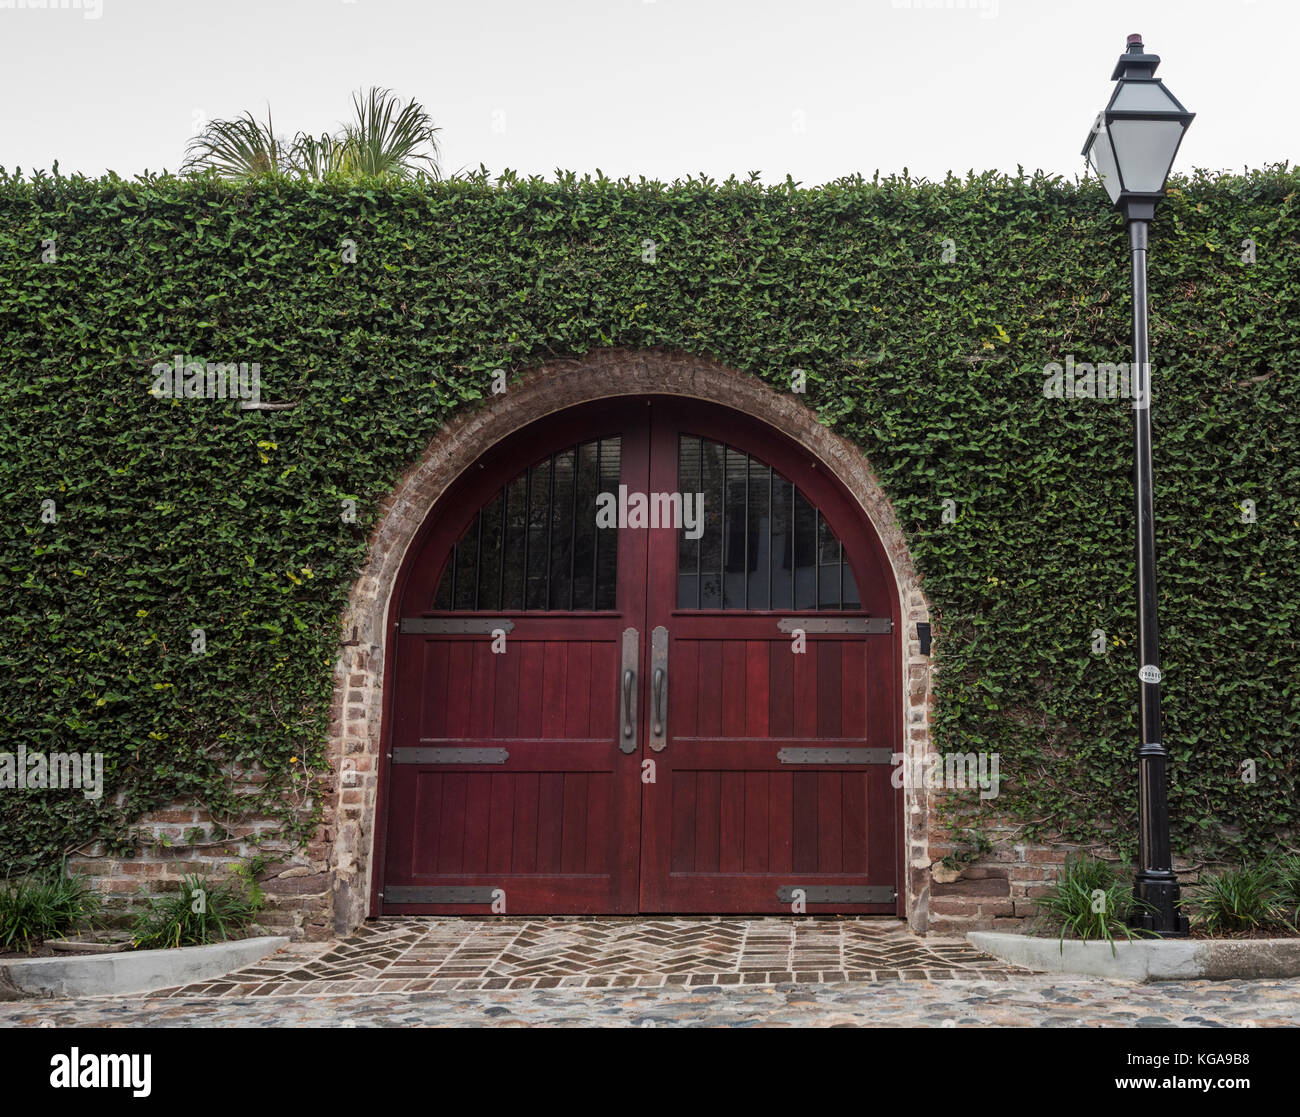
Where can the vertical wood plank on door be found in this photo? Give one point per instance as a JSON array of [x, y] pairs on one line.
[[830, 843], [855, 822], [501, 827], [805, 690], [428, 802], [573, 847], [733, 688], [804, 858], [599, 838], [709, 717], [409, 842], [481, 688], [451, 822], [555, 679], [781, 689], [527, 786], [780, 842], [854, 691], [603, 691], [757, 702], [577, 706], [478, 816], [881, 832], [758, 822], [708, 820], [482, 670], [879, 693], [460, 673], [550, 822], [531, 662], [683, 695], [731, 839], [506, 697], [683, 821], [432, 685], [830, 689]]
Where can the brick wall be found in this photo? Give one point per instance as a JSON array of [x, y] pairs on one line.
[[298, 882]]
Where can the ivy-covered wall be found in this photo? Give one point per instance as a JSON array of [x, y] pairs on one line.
[[174, 570]]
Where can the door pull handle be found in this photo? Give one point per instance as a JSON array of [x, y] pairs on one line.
[[627, 738], [660, 675], [659, 680], [629, 677]]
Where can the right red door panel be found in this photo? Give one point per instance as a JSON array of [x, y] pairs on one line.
[[772, 770], [749, 802]]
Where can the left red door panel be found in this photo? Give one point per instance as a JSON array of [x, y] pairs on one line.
[[511, 785]]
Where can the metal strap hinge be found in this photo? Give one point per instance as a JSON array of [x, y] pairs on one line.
[[451, 894], [450, 756], [454, 626], [845, 625], [839, 893], [834, 756]]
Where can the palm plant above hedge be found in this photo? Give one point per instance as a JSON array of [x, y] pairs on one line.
[[385, 139]]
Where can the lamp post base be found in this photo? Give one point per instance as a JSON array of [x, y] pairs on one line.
[[1157, 910]]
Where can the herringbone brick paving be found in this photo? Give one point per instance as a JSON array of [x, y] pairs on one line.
[[418, 954]]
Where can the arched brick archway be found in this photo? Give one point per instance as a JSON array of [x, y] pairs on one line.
[[360, 672]]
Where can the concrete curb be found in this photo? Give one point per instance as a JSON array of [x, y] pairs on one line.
[[1147, 960], [134, 971]]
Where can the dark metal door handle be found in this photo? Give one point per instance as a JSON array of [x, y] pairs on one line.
[[629, 677], [659, 679], [660, 675], [631, 659]]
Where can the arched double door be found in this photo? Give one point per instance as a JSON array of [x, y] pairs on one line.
[[643, 660]]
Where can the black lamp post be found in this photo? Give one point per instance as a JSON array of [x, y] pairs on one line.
[[1131, 147]]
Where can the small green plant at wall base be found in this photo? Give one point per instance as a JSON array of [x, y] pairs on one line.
[[41, 906], [973, 846], [248, 871], [1243, 899], [1288, 888], [202, 911], [1089, 900]]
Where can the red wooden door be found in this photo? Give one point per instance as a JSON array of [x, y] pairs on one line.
[[772, 759], [618, 719], [511, 786]]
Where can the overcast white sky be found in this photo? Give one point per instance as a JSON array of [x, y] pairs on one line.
[[663, 88]]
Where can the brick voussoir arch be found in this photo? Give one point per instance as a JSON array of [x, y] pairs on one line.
[[357, 712]]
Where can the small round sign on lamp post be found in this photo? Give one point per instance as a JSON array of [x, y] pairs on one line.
[[1131, 148]]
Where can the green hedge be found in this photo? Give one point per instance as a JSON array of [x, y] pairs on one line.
[[175, 515]]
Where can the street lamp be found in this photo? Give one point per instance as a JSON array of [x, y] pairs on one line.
[[1131, 147]]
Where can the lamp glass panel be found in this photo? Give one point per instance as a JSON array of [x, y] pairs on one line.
[[1102, 158], [1142, 96], [1144, 150]]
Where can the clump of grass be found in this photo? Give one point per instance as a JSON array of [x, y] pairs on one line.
[[1248, 898], [1090, 900], [42, 906], [1288, 889], [202, 911]]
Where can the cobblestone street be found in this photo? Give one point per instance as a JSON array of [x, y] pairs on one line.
[[1017, 1001], [660, 973]]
